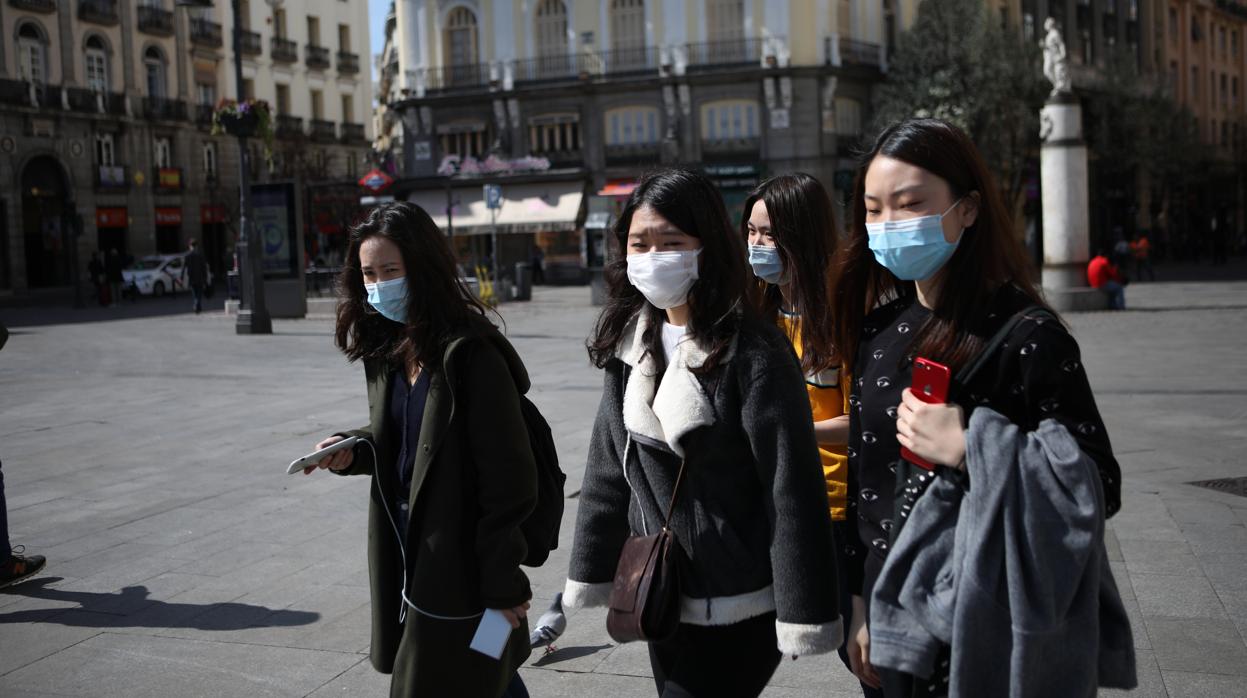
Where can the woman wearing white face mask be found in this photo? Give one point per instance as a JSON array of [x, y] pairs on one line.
[[447, 449], [697, 384], [932, 252]]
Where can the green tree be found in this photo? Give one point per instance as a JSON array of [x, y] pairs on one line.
[[957, 63]]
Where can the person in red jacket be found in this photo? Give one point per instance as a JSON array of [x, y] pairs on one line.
[[1104, 275]]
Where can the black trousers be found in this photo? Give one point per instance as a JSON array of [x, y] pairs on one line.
[[714, 661]]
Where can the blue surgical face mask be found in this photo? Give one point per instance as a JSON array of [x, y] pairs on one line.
[[389, 298], [912, 249], [766, 263]]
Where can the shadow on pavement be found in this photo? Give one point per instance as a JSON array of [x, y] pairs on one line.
[[568, 653], [116, 610], [61, 313]]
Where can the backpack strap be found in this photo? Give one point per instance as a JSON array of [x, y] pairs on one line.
[[970, 370]]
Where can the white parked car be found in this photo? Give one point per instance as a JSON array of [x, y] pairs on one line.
[[157, 275]]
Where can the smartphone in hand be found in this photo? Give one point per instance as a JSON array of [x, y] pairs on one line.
[[930, 385]]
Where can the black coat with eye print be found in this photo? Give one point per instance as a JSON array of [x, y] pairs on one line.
[[1037, 374]]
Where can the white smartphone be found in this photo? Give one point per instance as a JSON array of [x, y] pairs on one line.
[[317, 456]]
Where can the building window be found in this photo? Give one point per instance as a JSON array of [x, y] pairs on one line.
[[848, 116], [313, 30], [632, 126], [31, 65], [725, 20], [554, 133], [97, 65], [1173, 77], [209, 160], [1234, 93], [627, 25], [1234, 44], [205, 93], [1225, 133], [1028, 26], [1194, 83], [248, 88], [318, 105], [162, 151], [465, 139], [1224, 52], [729, 120], [344, 38], [461, 38], [279, 23], [1212, 89], [348, 109], [352, 165], [1225, 91], [551, 28], [154, 63], [283, 99], [104, 150]]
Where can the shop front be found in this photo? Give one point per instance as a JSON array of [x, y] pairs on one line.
[[169, 230], [111, 224]]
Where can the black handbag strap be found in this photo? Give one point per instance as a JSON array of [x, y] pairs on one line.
[[675, 492], [970, 370]]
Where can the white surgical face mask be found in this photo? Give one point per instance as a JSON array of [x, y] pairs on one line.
[[664, 278]]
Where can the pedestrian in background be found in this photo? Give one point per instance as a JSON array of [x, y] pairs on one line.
[[705, 430], [196, 274], [1141, 250], [453, 472], [95, 269], [932, 255], [791, 230], [15, 567], [1106, 277], [112, 274]]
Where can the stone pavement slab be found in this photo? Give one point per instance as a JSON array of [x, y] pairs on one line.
[[144, 456]]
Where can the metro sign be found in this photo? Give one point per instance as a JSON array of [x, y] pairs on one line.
[[376, 181]]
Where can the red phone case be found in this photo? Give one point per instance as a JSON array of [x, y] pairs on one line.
[[930, 385]]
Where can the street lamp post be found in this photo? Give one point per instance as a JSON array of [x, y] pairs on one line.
[[253, 319]]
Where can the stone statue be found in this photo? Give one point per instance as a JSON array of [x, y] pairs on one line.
[[1055, 59]]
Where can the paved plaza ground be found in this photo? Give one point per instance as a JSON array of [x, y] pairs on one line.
[[144, 452]]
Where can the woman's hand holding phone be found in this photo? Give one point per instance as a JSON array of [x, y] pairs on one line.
[[932, 431], [334, 461]]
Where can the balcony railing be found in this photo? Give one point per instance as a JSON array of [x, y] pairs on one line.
[[45, 6], [15, 92], [458, 76], [88, 101], [111, 178], [731, 146], [155, 20], [725, 53], [166, 109], [323, 131], [353, 133], [348, 63], [557, 67], [631, 60], [285, 50], [249, 43], [317, 57], [632, 154], [99, 11], [206, 33], [289, 126], [203, 115], [853, 52]]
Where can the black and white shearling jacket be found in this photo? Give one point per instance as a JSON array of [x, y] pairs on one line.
[[752, 512]]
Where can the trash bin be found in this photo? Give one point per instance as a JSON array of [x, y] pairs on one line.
[[523, 288]]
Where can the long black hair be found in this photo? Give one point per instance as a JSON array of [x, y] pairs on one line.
[[438, 301], [988, 257], [803, 226], [717, 299]]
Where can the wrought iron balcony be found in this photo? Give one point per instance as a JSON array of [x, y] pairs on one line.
[[317, 57], [249, 43], [861, 53], [631, 60], [323, 131], [632, 154], [99, 11], [289, 126], [284, 50], [206, 33], [733, 146], [155, 20], [734, 52], [87, 101], [458, 76], [353, 133], [348, 63], [44, 6], [166, 109], [15, 92], [557, 67]]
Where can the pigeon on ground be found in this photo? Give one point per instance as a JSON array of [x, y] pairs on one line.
[[549, 626]]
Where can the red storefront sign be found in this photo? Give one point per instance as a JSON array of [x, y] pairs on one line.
[[111, 217], [376, 181], [212, 214], [168, 216]]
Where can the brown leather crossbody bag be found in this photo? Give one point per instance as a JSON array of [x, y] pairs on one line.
[[645, 599]]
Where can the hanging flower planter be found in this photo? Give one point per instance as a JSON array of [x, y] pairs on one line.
[[246, 119]]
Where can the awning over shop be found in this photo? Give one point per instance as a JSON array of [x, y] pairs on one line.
[[526, 208]]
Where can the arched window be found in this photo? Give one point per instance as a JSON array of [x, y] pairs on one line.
[[725, 20], [628, 34], [551, 34], [461, 38], [96, 56], [727, 120], [154, 64], [32, 63], [632, 126]]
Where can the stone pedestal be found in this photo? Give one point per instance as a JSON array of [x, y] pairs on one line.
[[1066, 219]]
